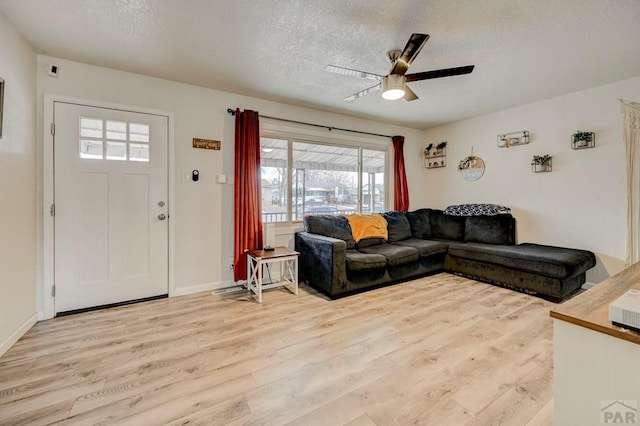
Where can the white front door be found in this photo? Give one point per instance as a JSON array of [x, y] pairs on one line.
[[111, 213]]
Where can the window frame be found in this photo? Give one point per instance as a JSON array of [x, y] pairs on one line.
[[360, 142]]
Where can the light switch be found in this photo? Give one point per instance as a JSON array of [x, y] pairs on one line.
[[222, 178], [186, 176]]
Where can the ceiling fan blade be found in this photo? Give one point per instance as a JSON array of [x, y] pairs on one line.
[[409, 53], [409, 95], [364, 92], [355, 73], [447, 72]]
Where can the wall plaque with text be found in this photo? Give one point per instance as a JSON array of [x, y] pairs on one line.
[[206, 144]]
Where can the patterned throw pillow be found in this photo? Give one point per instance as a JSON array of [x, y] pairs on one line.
[[476, 210]]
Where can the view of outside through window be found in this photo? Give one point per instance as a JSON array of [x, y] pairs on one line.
[[113, 140], [323, 180]]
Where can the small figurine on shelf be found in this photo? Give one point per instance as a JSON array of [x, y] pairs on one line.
[[427, 150], [442, 145]]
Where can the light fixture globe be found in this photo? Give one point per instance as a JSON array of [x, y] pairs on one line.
[[393, 87]]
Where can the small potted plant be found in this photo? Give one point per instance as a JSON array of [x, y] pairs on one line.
[[581, 139], [541, 163]]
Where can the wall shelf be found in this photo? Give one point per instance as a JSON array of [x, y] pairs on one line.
[[507, 140], [583, 140], [436, 158], [542, 168]]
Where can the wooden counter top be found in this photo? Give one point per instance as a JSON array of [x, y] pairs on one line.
[[591, 308]]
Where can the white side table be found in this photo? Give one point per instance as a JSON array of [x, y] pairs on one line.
[[256, 261]]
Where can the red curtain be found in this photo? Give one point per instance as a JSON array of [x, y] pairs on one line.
[[247, 191], [400, 188]]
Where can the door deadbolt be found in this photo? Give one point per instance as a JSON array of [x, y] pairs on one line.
[[160, 203]]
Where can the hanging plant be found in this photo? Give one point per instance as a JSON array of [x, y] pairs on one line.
[[582, 136], [541, 160]]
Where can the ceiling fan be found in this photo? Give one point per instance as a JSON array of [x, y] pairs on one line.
[[394, 85]]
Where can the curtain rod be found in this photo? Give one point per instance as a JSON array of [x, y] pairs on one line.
[[330, 128]]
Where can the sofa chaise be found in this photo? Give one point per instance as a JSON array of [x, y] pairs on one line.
[[427, 241]]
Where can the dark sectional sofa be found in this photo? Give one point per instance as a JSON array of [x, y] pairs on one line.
[[426, 241]]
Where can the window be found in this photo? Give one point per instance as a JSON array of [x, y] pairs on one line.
[[301, 177], [113, 140]]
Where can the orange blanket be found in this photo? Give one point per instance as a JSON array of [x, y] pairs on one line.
[[367, 226]]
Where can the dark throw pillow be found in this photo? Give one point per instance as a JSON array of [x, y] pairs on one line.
[[397, 226], [420, 223], [330, 226]]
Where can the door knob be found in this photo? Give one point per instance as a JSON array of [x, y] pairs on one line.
[[162, 216]]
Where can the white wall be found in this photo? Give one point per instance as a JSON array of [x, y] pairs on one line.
[[17, 188], [581, 203], [203, 218]]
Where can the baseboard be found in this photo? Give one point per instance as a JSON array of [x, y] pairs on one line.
[[183, 291], [6, 345], [588, 285]]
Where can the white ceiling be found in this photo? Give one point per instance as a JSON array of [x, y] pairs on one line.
[[524, 50]]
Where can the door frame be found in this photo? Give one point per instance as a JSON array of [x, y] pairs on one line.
[[46, 306]]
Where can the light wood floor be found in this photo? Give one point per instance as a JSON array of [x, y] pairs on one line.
[[442, 350]]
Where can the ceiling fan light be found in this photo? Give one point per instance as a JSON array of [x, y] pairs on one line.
[[393, 87]]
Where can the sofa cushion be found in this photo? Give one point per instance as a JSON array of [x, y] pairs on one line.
[[425, 248], [555, 262], [395, 255], [446, 227], [368, 242], [397, 226], [357, 261], [367, 226], [330, 226], [419, 223], [498, 229]]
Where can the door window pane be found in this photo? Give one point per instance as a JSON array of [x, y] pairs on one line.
[[139, 152], [139, 132], [117, 130], [116, 150], [90, 149], [123, 141], [90, 127]]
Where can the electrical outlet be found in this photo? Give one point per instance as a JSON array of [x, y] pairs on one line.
[[230, 266]]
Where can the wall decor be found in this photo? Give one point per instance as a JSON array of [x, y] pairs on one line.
[[508, 140], [206, 144], [471, 167], [435, 157], [582, 140], [1, 103], [541, 163]]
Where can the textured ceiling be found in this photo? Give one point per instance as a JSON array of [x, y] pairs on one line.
[[524, 50]]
